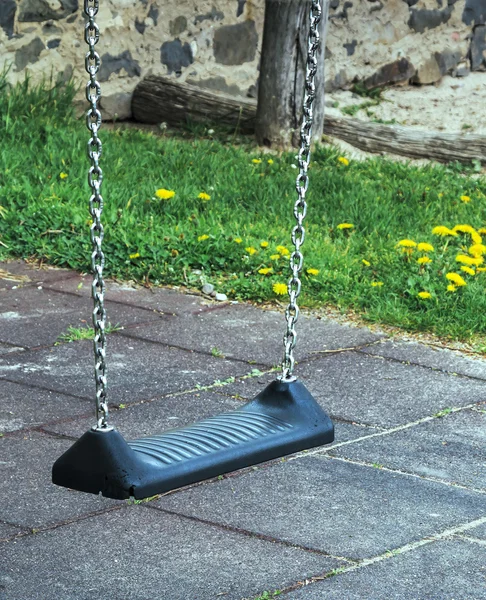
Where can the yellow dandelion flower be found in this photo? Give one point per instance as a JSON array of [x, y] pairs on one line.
[[256, 161], [482, 230], [265, 271], [345, 226], [465, 199], [238, 240], [376, 283], [280, 289], [343, 160], [251, 250], [203, 237], [407, 243], [451, 288], [476, 238], [275, 256], [204, 196], [480, 269], [477, 250], [313, 271], [423, 260], [63, 175], [424, 247], [463, 229], [270, 161], [264, 244], [366, 262], [135, 255], [468, 260], [164, 194], [424, 295], [440, 195], [468, 270], [456, 279], [283, 251], [443, 231]]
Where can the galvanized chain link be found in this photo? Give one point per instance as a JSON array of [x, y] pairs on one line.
[[95, 180], [302, 183]]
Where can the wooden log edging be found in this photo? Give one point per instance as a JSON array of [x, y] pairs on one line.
[[157, 99]]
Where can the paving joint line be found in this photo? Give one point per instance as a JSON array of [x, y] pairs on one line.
[[383, 432], [417, 364], [405, 473], [389, 554], [45, 389], [31, 531], [250, 534]]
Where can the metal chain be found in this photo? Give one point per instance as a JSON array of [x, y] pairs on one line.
[[302, 183], [95, 180]]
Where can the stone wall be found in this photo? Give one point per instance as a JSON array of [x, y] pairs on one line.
[[216, 43]]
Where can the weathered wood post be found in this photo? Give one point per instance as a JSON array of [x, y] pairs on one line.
[[282, 73]]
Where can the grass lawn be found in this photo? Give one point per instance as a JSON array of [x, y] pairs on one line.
[[231, 214]]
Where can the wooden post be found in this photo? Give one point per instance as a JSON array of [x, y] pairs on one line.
[[282, 73]]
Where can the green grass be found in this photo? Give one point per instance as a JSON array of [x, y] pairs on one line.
[[74, 334], [189, 241]]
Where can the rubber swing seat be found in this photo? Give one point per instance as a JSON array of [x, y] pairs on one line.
[[284, 418]]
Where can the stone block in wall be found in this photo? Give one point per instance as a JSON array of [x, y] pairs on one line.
[[427, 72], [114, 64], [474, 12], [117, 107], [399, 71], [43, 10], [175, 55], [7, 16], [29, 53], [448, 60], [423, 19], [235, 44], [478, 49]]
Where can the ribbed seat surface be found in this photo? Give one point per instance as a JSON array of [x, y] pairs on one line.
[[282, 419], [209, 436]]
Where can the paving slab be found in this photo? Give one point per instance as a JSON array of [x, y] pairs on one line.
[[5, 532], [429, 356], [452, 448], [341, 508], [154, 417], [247, 333], [444, 570], [8, 348], [30, 499], [139, 554], [31, 317], [352, 386], [164, 300], [479, 532], [18, 273], [22, 406], [137, 370]]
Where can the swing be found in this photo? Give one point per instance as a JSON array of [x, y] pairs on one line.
[[284, 418]]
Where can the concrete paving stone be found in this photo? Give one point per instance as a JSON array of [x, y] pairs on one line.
[[140, 554], [248, 333], [136, 369], [478, 532], [22, 406], [151, 418], [444, 570], [452, 448], [18, 273], [7, 348], [33, 317], [436, 358], [30, 499], [341, 508], [352, 386], [5, 532], [164, 300]]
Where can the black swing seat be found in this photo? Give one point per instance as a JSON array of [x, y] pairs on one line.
[[284, 418]]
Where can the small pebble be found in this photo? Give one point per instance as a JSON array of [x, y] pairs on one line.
[[221, 297], [207, 288]]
